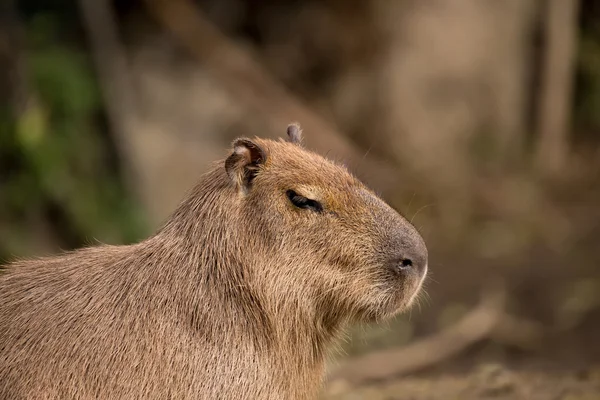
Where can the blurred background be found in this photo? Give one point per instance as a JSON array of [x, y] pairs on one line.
[[478, 120]]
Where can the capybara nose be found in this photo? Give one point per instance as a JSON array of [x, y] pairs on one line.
[[413, 254], [413, 261]]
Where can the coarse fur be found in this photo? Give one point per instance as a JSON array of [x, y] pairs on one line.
[[238, 295]]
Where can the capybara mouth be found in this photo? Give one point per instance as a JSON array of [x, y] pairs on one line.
[[409, 283]]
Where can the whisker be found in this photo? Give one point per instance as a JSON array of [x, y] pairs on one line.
[[430, 278], [410, 202], [419, 210], [367, 152]]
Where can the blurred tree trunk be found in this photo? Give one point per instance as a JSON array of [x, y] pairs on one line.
[[455, 80], [111, 63], [509, 62], [553, 115], [14, 87], [100, 21]]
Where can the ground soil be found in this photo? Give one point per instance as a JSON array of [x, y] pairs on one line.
[[487, 381]]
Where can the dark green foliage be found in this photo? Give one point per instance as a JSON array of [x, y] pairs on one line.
[[57, 163]]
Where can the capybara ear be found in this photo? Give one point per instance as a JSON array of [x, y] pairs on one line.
[[244, 163], [294, 132]]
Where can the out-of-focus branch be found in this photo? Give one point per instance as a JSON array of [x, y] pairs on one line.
[[556, 84], [488, 320], [113, 73], [242, 75]]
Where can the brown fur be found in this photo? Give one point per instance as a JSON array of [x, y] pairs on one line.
[[238, 296]]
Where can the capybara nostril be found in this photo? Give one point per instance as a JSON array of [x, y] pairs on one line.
[[413, 260], [406, 264]]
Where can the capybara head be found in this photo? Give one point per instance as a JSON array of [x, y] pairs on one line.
[[333, 238]]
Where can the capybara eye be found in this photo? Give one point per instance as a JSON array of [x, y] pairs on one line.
[[304, 202]]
